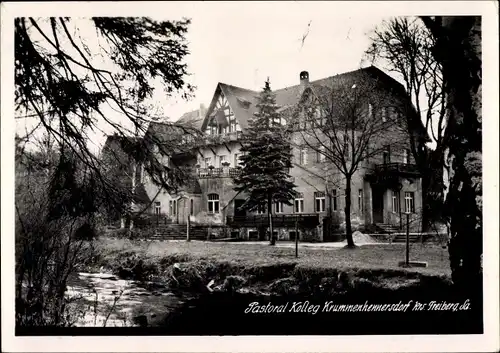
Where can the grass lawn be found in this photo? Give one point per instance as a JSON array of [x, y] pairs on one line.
[[384, 256]]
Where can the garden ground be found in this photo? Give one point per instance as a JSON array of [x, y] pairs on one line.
[[322, 255]]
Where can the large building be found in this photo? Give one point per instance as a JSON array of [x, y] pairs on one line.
[[383, 188]]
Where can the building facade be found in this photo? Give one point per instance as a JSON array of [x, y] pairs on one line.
[[384, 189]]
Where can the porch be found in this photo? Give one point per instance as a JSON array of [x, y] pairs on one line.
[[395, 190], [303, 220]]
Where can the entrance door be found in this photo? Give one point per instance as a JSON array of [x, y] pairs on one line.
[[378, 205], [238, 211]]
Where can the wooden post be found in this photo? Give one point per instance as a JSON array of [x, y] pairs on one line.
[[407, 239], [187, 228], [296, 237]]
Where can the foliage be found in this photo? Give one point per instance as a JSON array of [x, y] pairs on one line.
[[406, 45], [54, 225], [458, 49], [68, 83], [266, 158]]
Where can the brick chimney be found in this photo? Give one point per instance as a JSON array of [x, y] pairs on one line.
[[304, 80]]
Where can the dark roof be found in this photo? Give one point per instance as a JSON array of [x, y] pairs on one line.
[[115, 143], [118, 139], [243, 101], [192, 119]]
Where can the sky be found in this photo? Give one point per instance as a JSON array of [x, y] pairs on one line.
[[244, 43]]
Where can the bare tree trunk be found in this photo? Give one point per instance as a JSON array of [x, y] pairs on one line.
[[458, 48], [134, 171], [272, 239], [348, 227]]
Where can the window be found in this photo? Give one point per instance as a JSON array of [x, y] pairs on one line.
[[213, 203], [232, 122], [299, 203], [172, 205], [406, 156], [222, 159], [157, 207], [360, 201], [261, 209], [320, 154], [236, 159], [319, 201], [303, 156], [191, 207], [208, 162], [278, 207], [346, 146], [213, 127], [319, 116], [395, 201], [387, 155], [334, 200], [409, 202]]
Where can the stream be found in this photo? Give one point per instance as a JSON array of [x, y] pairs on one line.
[[104, 300]]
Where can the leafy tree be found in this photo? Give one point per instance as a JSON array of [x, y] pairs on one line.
[[68, 83], [266, 159], [458, 49], [406, 45], [64, 81], [348, 120]]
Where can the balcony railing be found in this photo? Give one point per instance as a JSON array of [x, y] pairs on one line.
[[221, 138], [279, 220], [397, 168], [226, 172]]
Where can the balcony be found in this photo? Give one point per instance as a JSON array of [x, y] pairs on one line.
[[211, 140], [397, 169], [308, 220], [226, 172], [390, 174]]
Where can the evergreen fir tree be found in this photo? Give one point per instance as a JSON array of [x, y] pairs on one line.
[[266, 160]]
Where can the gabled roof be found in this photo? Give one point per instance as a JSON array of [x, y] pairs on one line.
[[243, 101], [240, 100]]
